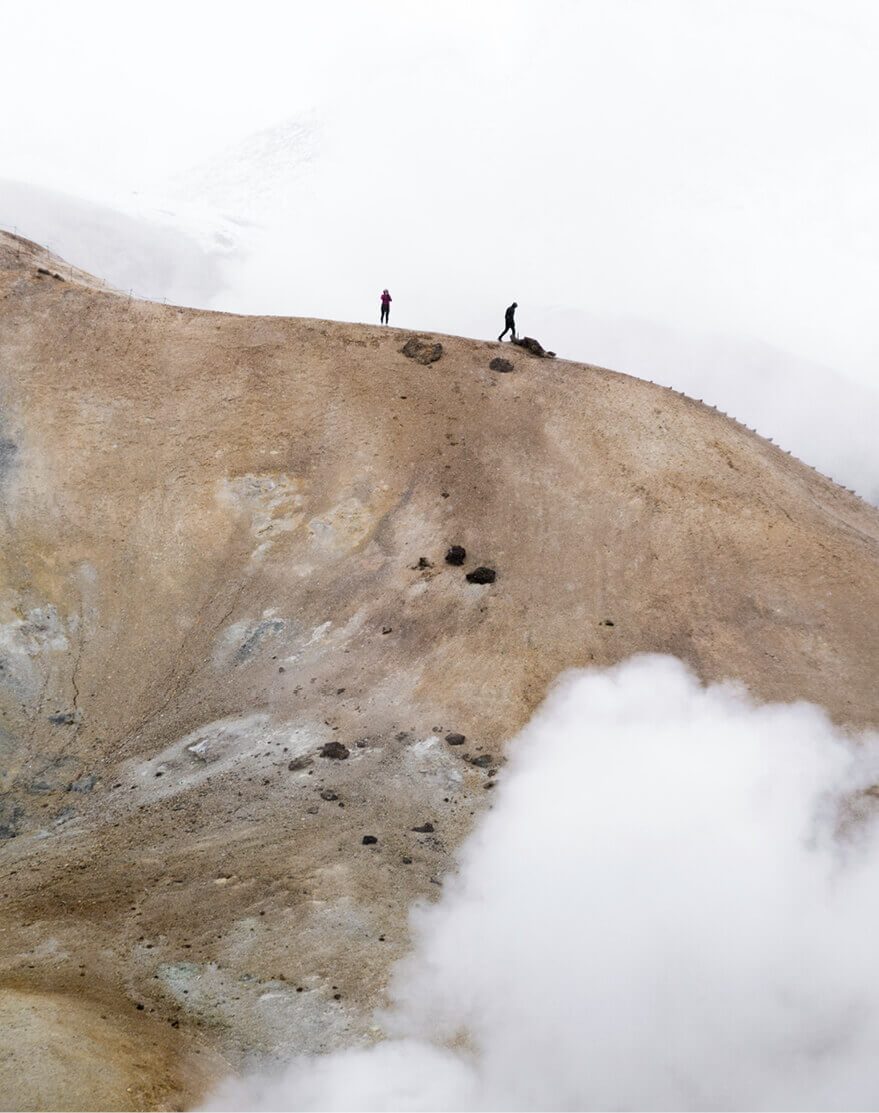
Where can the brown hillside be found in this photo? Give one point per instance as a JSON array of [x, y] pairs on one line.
[[210, 544]]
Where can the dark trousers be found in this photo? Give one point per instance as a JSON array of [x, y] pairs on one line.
[[386, 310], [511, 328]]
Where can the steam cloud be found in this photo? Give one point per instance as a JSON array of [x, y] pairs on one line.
[[673, 904]]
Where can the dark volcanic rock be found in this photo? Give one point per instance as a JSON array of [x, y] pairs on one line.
[[422, 351], [482, 761], [369, 840], [334, 750], [500, 364], [534, 347], [455, 739], [457, 554], [424, 829], [482, 575]]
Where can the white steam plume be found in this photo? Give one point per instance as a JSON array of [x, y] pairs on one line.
[[673, 904]]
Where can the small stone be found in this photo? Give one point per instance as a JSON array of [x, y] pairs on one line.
[[328, 794], [406, 861], [455, 739], [502, 365], [423, 562], [456, 555], [299, 763], [424, 829], [334, 750], [481, 575], [481, 762], [369, 840], [387, 629]]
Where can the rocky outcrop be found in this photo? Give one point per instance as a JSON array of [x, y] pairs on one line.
[[533, 346]]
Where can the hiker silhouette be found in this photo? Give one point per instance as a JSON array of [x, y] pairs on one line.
[[510, 321], [386, 307]]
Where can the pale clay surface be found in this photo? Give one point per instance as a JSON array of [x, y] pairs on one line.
[[210, 536]]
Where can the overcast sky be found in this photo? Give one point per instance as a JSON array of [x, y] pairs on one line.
[[677, 159]]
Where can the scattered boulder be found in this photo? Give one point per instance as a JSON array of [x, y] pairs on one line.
[[455, 739], [456, 555], [500, 364], [335, 751], [424, 829], [423, 563], [422, 351], [482, 575], [299, 763], [328, 794], [534, 347], [369, 840], [482, 761]]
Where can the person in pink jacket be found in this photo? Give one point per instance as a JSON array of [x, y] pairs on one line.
[[386, 307]]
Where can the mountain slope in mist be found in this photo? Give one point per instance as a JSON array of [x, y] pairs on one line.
[[232, 648]]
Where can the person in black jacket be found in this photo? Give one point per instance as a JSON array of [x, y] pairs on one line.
[[510, 322]]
